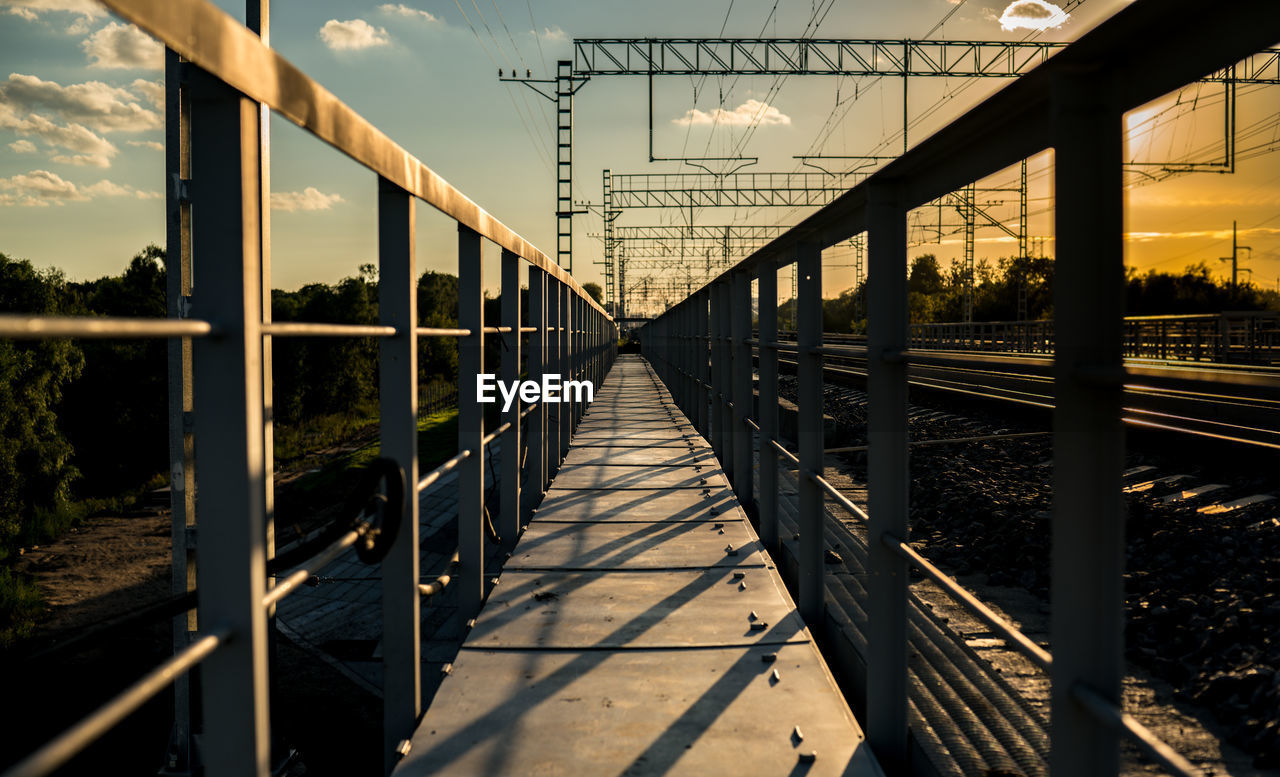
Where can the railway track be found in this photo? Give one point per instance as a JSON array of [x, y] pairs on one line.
[[1223, 402]]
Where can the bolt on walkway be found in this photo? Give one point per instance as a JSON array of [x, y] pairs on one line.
[[638, 628]]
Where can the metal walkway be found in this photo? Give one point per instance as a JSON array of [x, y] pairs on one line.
[[638, 628]]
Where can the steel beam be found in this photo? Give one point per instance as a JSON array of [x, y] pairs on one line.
[[767, 305], [509, 518], [1087, 620], [470, 426], [809, 411], [888, 477], [740, 434], [398, 414], [229, 414]]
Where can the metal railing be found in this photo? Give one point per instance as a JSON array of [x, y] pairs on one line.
[[222, 78], [1247, 337], [703, 350]]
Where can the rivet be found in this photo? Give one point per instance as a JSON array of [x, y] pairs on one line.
[[471, 624], [742, 586], [809, 757], [718, 526], [798, 734], [759, 626], [775, 677], [769, 658], [752, 616], [403, 747], [739, 575], [446, 669], [730, 550]]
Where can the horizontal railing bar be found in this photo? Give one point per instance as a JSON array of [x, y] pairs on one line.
[[302, 329], [524, 413], [495, 434], [788, 454], [497, 330], [26, 327], [1034, 653], [747, 420], [528, 329], [441, 471], [75, 739], [442, 581], [948, 441], [428, 331], [289, 583], [840, 498], [1155, 748], [215, 41]]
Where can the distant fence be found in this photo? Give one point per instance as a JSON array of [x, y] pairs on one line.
[[1249, 337]]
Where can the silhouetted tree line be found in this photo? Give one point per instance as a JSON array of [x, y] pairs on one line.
[[88, 418], [937, 295]]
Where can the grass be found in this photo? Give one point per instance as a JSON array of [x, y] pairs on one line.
[[20, 605]]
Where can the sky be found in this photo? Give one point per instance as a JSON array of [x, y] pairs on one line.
[[81, 128]]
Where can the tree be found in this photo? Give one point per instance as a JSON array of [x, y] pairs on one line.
[[36, 472], [925, 276], [595, 291]]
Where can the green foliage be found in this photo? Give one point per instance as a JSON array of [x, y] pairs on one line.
[[36, 472], [20, 606], [595, 291]]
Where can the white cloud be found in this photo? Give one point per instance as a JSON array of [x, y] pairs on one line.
[[41, 188], [153, 91], [88, 147], [95, 104], [352, 35], [553, 34], [23, 147], [32, 9], [151, 144], [123, 46], [400, 9], [309, 198], [751, 111], [1033, 15]]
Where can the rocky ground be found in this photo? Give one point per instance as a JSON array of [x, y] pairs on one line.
[[1203, 590]]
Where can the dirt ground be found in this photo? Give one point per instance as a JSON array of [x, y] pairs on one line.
[[109, 567]]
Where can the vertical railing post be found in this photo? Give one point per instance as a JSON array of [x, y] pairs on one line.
[[398, 413], [470, 426], [768, 312], [537, 481], [809, 410], [740, 313], [509, 518], [888, 477], [713, 370], [567, 323], [706, 340], [1087, 620], [552, 367], [229, 415]]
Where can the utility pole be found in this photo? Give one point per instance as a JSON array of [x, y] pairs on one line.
[[1236, 248]]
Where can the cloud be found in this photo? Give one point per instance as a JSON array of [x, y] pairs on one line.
[[1216, 234], [41, 188], [32, 9], [751, 111], [88, 148], [400, 9], [151, 144], [23, 147], [123, 46], [553, 34], [352, 35], [309, 198], [1033, 15], [153, 91], [95, 104]]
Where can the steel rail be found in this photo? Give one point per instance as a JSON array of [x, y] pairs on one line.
[[69, 743], [302, 329], [442, 581], [1107, 712], [1010, 634], [290, 582], [211, 39], [427, 331], [19, 326], [431, 477]]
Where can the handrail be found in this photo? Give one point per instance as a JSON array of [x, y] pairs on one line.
[[1109, 713], [66, 745], [290, 582], [431, 477], [211, 39], [20, 326], [301, 329]]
